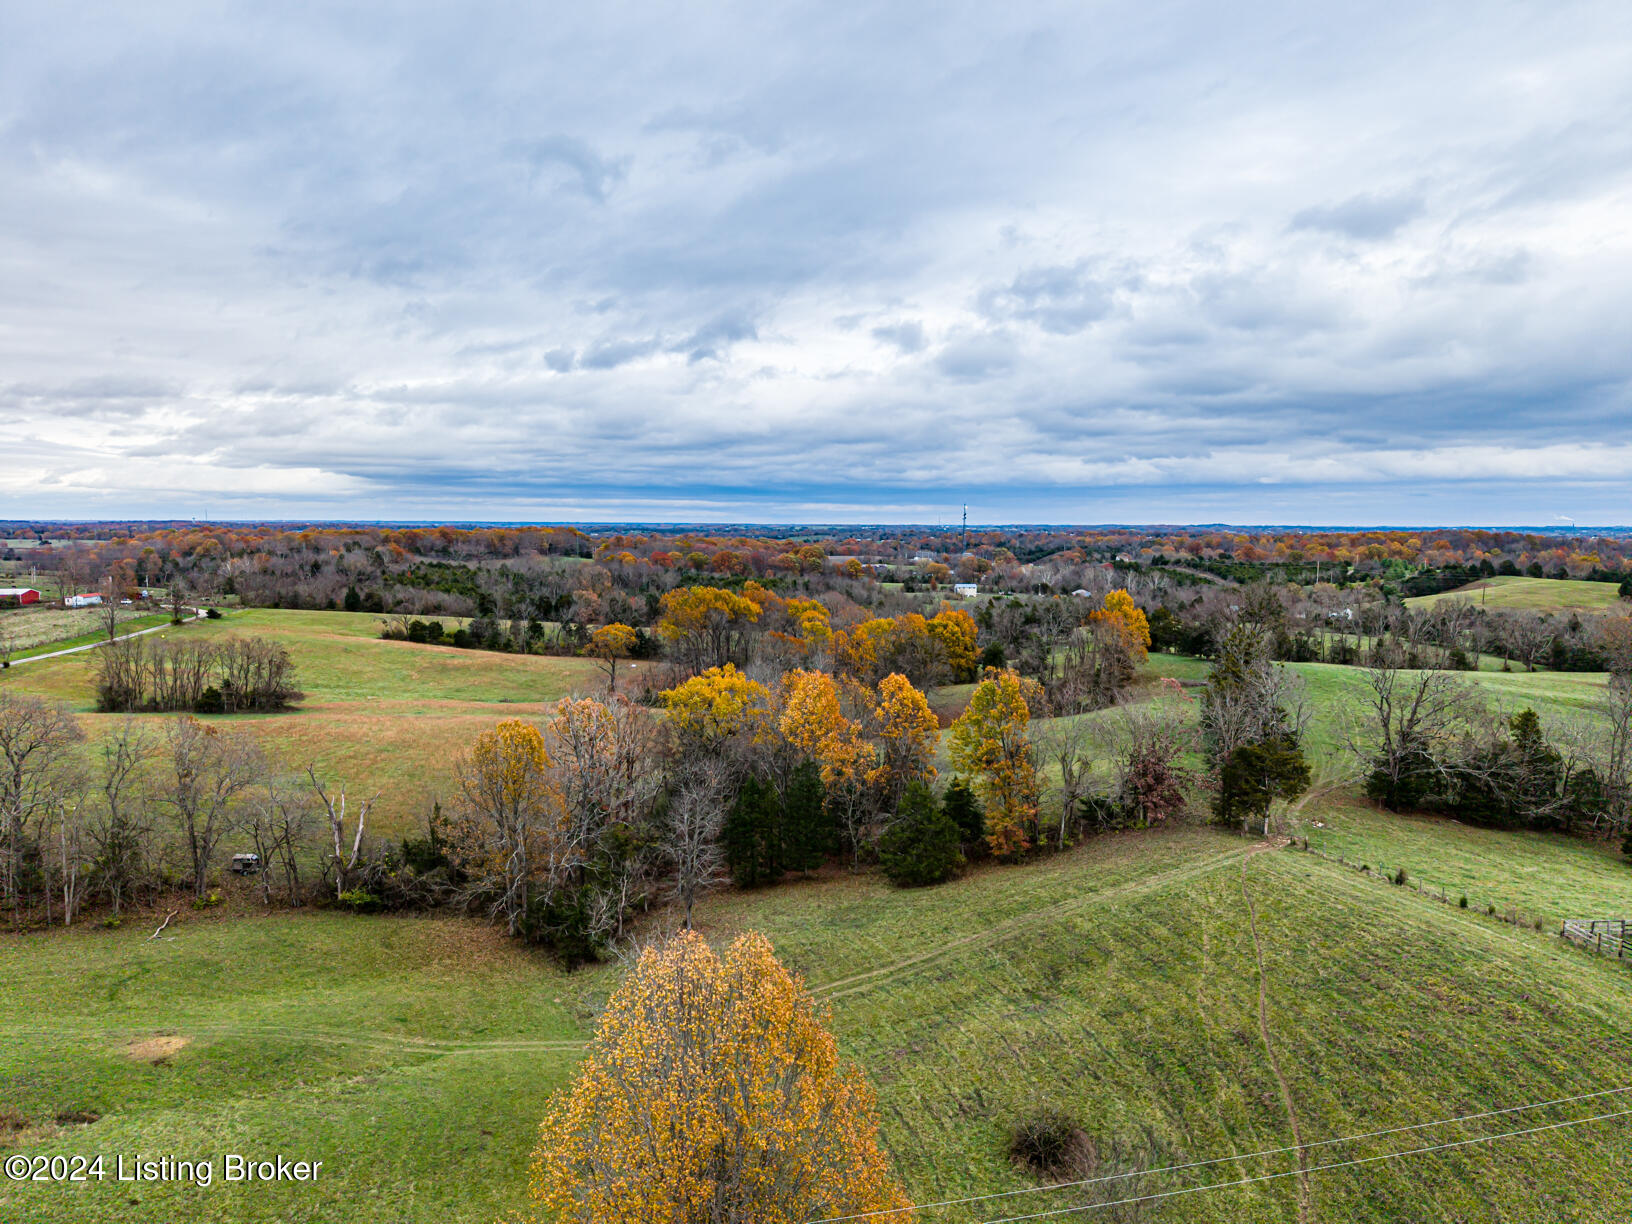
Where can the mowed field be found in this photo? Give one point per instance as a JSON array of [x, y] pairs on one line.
[[1530, 594], [1181, 994], [378, 715]]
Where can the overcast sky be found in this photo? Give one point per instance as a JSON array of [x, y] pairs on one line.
[[1269, 262]]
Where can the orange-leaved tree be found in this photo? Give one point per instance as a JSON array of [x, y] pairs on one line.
[[610, 643], [814, 724], [1122, 614], [989, 742], [712, 1093]]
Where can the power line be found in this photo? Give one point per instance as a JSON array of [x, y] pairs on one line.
[[1339, 1164], [1200, 1164]]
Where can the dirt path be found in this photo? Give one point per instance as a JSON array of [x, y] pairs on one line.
[[855, 983], [401, 1043], [1269, 1044]]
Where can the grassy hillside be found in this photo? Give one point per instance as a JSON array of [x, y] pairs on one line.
[[386, 716], [1118, 983], [1531, 594]]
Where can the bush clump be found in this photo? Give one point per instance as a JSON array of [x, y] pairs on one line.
[[1050, 1143], [361, 901]]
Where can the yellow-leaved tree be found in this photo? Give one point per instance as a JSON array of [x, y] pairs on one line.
[[706, 626], [610, 643], [1127, 619], [718, 706], [508, 833], [989, 742], [713, 1094], [904, 733]]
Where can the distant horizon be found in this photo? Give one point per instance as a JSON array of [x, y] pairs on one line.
[[905, 525]]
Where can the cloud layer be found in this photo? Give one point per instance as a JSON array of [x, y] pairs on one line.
[[1124, 262]]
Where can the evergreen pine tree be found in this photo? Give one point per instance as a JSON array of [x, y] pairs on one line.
[[964, 809], [751, 835], [921, 847], [808, 831]]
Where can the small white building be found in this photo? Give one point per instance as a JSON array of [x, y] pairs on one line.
[[87, 599], [967, 590]]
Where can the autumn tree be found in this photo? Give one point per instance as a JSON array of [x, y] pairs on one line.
[[716, 709], [712, 1093], [989, 742], [706, 627], [814, 725], [507, 835], [610, 643], [904, 733]]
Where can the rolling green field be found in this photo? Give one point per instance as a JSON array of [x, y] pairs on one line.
[[1117, 983], [382, 716], [1530, 594]]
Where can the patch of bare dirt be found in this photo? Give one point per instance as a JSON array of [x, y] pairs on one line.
[[157, 1050]]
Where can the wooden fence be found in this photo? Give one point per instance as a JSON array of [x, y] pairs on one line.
[[1608, 935]]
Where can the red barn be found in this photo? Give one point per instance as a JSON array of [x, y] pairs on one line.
[[18, 595]]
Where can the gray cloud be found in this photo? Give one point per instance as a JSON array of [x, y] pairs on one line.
[[1365, 216], [907, 336], [1059, 299], [419, 262]]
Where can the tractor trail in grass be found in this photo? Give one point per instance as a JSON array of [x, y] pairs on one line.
[[1269, 1044], [843, 987]]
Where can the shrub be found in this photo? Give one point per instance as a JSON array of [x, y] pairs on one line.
[[1400, 876], [1049, 1143], [1463, 903], [360, 901], [209, 901], [210, 701], [921, 847], [1626, 846], [213, 613]]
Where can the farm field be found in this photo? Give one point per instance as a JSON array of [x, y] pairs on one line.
[[40, 629], [382, 716], [1530, 594], [1117, 983]]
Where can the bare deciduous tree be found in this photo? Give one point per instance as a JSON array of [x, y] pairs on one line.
[[207, 771], [36, 774], [1407, 720], [691, 832], [343, 861], [118, 831]]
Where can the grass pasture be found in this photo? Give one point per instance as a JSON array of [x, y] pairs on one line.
[[1118, 983], [1520, 593], [382, 716], [1180, 994]]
